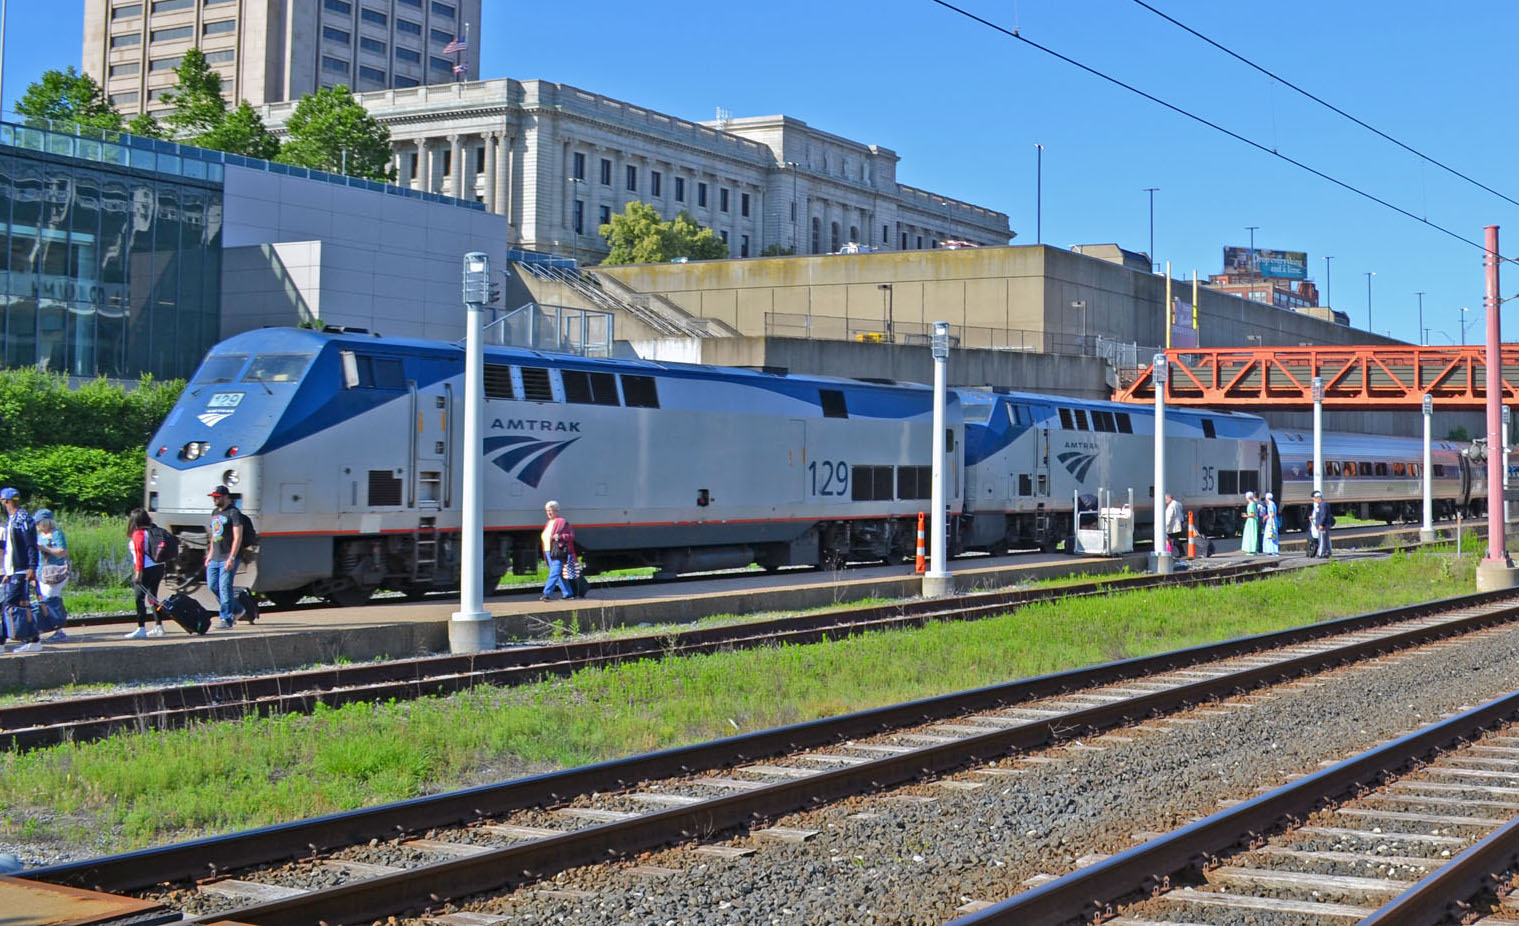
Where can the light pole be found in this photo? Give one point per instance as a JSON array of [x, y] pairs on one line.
[[576, 184], [792, 165], [1160, 560], [886, 292], [1427, 530], [1152, 190], [1252, 229], [1423, 338], [1369, 275], [937, 582], [1328, 286], [1464, 310], [1038, 193], [471, 629]]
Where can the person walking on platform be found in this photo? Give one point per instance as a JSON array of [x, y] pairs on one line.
[[1322, 519], [52, 575], [1176, 531], [1271, 527], [1251, 536], [20, 572], [223, 552], [558, 549], [146, 573]]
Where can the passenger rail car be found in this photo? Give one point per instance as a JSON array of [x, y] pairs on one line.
[[343, 450], [1376, 478]]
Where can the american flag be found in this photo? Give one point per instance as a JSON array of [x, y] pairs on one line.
[[461, 68], [456, 46]]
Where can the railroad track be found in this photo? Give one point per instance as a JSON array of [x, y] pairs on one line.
[[369, 864], [1440, 821], [83, 719]]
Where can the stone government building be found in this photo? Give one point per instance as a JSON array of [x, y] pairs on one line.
[[557, 161]]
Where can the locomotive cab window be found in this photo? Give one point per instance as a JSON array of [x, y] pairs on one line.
[[582, 388], [1125, 423], [220, 369], [1066, 420], [833, 403], [1103, 421], [361, 371], [276, 368], [498, 381], [1081, 419], [639, 391], [536, 386]]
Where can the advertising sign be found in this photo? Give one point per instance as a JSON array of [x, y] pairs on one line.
[[1289, 265], [1182, 332]]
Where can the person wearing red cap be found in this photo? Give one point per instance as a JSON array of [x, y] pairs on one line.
[[223, 550]]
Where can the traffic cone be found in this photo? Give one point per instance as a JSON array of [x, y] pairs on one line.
[[1191, 537], [921, 565]]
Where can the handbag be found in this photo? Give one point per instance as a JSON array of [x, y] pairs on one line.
[[55, 574]]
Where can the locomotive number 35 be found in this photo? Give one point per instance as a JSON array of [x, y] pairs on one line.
[[829, 477]]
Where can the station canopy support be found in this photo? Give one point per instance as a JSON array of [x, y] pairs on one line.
[[1354, 377]]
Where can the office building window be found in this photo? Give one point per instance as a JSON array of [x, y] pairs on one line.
[[440, 64], [743, 246], [448, 162], [442, 9], [920, 242], [409, 56], [407, 82], [169, 6], [126, 70], [606, 172], [854, 234], [126, 12], [579, 217], [904, 241], [218, 2], [722, 198], [122, 41], [221, 57], [414, 4], [336, 35], [373, 46], [578, 170], [632, 178], [701, 194], [480, 160], [119, 98], [606, 214], [338, 6], [680, 189], [369, 73], [656, 186], [793, 210], [174, 34], [220, 27], [334, 65], [723, 235], [373, 17], [885, 234], [164, 64], [158, 93], [440, 36], [743, 204], [408, 27]]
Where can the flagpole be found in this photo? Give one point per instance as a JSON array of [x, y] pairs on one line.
[[458, 56]]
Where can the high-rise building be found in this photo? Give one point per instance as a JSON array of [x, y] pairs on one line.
[[272, 50]]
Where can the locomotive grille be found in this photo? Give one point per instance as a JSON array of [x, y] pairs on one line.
[[384, 488]]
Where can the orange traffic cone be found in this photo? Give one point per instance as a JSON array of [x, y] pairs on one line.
[[921, 566], [1191, 537]]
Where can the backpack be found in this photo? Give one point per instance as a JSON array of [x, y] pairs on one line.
[[250, 533], [1329, 519], [162, 545]]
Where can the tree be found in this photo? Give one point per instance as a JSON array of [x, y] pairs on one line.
[[242, 132], [330, 131], [197, 99], [777, 250], [69, 96], [144, 124], [638, 236]]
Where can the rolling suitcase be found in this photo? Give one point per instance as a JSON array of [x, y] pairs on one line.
[[182, 610], [249, 603]]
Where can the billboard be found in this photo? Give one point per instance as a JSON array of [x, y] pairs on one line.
[[1289, 265]]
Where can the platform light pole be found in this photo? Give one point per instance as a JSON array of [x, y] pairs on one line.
[[1328, 285], [1427, 532], [1152, 190], [471, 630], [1423, 338], [938, 582], [1496, 571], [1160, 560], [1318, 434], [1369, 275]]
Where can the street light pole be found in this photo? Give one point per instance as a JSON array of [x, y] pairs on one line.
[[1252, 229], [1369, 275], [1038, 193], [793, 166], [1328, 285], [1151, 190], [886, 291], [1160, 560], [575, 185], [471, 629], [938, 582], [1423, 338], [1464, 310]]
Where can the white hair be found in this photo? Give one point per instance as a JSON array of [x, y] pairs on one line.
[[551, 504]]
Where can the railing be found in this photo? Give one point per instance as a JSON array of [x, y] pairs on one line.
[[554, 328], [879, 331]]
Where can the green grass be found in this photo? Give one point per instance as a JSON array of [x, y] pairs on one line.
[[135, 790]]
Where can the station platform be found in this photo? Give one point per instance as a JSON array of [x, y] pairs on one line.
[[283, 640]]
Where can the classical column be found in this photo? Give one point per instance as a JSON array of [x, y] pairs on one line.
[[504, 172], [492, 151], [456, 167], [419, 182]]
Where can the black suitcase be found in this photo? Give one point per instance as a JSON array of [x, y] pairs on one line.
[[182, 610], [249, 603]]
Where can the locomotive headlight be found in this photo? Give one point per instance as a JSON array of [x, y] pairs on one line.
[[230, 477], [192, 451], [153, 477]]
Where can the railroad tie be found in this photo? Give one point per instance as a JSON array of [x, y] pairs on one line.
[[668, 800], [1270, 904], [780, 771], [595, 815], [787, 833], [1277, 879], [255, 891], [468, 919], [513, 831], [359, 869], [439, 847]]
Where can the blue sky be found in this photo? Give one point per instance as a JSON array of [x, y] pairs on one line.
[[964, 107]]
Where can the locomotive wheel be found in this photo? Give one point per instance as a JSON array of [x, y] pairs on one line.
[[285, 599], [350, 597]]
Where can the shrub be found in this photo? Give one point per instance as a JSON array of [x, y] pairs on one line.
[[75, 478], [39, 409]]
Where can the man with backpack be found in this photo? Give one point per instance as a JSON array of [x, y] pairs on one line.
[[20, 572], [227, 543]]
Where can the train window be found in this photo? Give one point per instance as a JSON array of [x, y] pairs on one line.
[[222, 368], [1125, 424], [1347, 468], [1019, 415], [535, 385], [1081, 419], [639, 392], [1103, 421], [833, 403], [1364, 468], [1065, 419], [361, 371], [871, 483], [582, 388], [1331, 467], [975, 414], [1308, 468], [1439, 470], [1379, 469], [1399, 469], [1208, 430], [276, 368], [915, 482], [498, 381], [1413, 470]]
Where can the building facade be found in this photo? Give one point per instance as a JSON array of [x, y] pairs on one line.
[[269, 50], [558, 161]]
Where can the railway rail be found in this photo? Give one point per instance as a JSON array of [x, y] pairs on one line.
[[830, 759], [1441, 806]]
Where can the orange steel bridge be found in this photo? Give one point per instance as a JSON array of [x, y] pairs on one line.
[[1354, 377]]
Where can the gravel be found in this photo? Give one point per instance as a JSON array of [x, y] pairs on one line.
[[884, 860]]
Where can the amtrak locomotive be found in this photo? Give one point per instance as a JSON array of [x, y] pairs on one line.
[[343, 448]]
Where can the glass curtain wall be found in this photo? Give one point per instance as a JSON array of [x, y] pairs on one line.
[[106, 272]]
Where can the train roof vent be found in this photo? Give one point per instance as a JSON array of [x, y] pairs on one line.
[[348, 329]]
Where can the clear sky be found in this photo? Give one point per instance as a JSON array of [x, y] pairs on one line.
[[964, 108]]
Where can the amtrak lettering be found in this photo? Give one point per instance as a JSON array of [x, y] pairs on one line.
[[523, 424]]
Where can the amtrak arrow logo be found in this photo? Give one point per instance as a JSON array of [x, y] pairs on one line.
[[209, 419], [527, 458], [1077, 462]]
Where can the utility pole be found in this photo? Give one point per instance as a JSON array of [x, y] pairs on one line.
[[1328, 285], [1423, 338], [1252, 229], [1038, 193], [938, 581], [1369, 275], [1496, 571], [471, 629], [1153, 262]]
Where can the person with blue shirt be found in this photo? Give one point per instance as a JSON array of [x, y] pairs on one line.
[[20, 572], [53, 555]]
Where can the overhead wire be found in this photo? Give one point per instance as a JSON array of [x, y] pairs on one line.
[[1212, 125]]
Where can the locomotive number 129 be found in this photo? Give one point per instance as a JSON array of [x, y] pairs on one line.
[[829, 477]]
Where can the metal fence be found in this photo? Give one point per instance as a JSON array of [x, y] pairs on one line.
[[1121, 354], [555, 328]]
